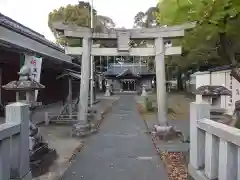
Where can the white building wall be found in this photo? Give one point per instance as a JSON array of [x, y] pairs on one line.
[[202, 78], [222, 78]]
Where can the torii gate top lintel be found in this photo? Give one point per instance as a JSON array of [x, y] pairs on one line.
[[71, 30]]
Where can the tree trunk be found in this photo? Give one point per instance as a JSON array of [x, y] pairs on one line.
[[227, 52], [179, 80], [235, 72]]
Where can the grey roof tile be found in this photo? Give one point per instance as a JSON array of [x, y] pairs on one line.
[[213, 91]]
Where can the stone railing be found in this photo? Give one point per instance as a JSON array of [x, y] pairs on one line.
[[14, 143], [214, 147]]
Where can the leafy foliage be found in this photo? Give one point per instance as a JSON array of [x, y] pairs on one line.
[[80, 15], [146, 19], [215, 40]]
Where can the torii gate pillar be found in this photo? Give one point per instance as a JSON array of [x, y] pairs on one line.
[[84, 88], [161, 82]]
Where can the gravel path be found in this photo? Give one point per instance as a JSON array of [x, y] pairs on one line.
[[120, 151]]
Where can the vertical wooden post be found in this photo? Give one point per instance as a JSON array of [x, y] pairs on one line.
[[198, 111], [19, 113], [70, 96]]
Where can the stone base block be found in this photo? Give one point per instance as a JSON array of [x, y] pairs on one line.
[[107, 93], [80, 130], [165, 133]]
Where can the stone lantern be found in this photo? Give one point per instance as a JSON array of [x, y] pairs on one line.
[[144, 91], [214, 95], [108, 91], [25, 89]]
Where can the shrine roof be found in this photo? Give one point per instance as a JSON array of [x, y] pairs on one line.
[[128, 72], [23, 85], [208, 90], [116, 70], [70, 73]]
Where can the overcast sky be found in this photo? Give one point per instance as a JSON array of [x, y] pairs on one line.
[[34, 13]]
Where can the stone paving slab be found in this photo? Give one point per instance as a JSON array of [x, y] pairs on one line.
[[59, 138], [120, 151]]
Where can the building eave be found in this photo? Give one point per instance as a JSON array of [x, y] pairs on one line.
[[14, 34], [21, 29]]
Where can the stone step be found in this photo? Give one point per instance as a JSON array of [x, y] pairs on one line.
[[173, 147]]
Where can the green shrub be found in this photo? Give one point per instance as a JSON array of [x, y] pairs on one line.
[[148, 105]]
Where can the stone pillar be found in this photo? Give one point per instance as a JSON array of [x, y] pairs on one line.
[[144, 92], [84, 88], [107, 93], [18, 113], [100, 79], [160, 82]]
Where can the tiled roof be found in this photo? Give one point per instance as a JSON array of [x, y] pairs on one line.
[[126, 72], [118, 69], [213, 91], [23, 85], [21, 29], [220, 68]]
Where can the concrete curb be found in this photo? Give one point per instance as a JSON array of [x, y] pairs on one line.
[[68, 161], [102, 114]]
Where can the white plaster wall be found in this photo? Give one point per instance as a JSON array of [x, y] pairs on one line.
[[222, 78], [198, 98], [202, 78], [219, 78]]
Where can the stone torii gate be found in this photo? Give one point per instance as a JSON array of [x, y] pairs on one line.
[[123, 37]]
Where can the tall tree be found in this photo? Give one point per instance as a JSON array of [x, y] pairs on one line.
[[146, 19], [80, 15], [215, 36]]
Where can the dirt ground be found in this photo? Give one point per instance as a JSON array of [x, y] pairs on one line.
[[178, 105]]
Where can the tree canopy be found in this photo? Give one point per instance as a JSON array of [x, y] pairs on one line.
[[215, 40], [80, 15], [146, 19]]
